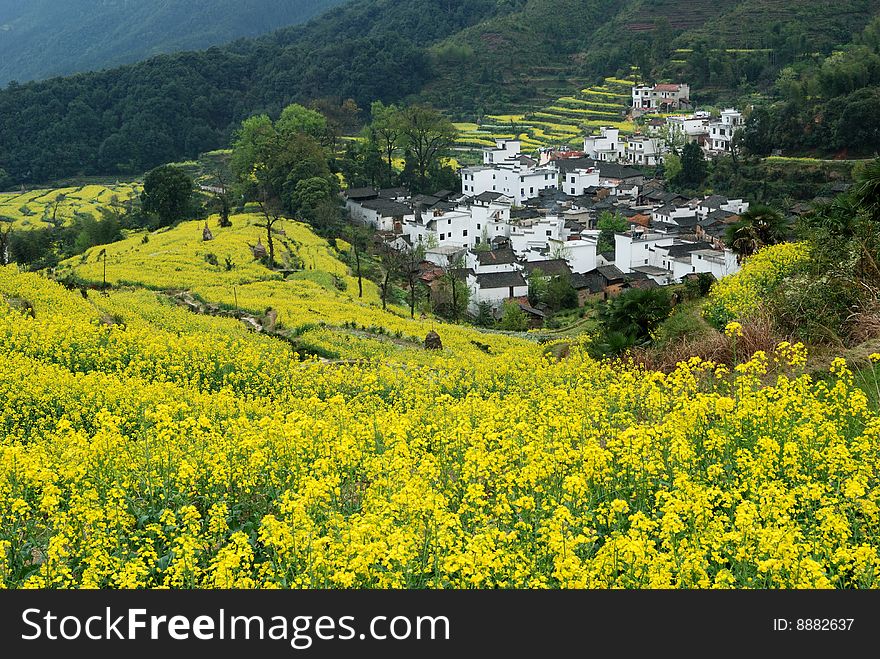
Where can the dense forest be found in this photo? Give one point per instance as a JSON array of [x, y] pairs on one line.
[[465, 57], [171, 107], [44, 38]]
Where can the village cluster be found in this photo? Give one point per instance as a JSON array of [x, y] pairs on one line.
[[516, 214]]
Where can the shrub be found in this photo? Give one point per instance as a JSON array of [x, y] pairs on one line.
[[740, 296]]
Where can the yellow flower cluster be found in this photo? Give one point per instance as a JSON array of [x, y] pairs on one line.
[[144, 446], [740, 296], [43, 207]]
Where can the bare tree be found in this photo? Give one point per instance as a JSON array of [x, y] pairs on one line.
[[5, 238], [221, 195], [412, 257], [271, 209]]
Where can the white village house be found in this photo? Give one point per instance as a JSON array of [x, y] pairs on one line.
[[661, 97], [723, 130], [507, 171]]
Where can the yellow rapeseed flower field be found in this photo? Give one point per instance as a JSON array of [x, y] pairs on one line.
[[145, 446]]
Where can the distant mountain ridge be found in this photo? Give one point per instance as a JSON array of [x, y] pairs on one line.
[[44, 38]]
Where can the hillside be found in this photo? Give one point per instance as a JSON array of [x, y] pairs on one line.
[[44, 38], [335, 451], [473, 59]]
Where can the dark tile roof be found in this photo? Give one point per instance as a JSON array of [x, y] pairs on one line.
[[500, 280], [716, 216], [683, 249], [443, 194], [686, 221], [356, 194], [621, 172], [643, 283], [524, 213], [462, 273], [387, 207], [392, 193], [550, 267], [487, 197], [715, 201], [427, 201], [610, 272], [531, 310], [579, 282], [496, 256]]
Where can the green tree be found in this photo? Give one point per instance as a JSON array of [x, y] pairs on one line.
[[167, 194], [513, 318], [429, 136], [296, 119], [484, 316], [693, 167], [284, 169], [538, 286], [608, 224], [758, 227], [561, 294], [637, 312], [387, 128]]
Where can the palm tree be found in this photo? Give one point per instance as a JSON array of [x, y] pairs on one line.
[[757, 227], [867, 189]]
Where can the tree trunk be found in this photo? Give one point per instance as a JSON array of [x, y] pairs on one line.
[[385, 283], [357, 258], [454, 300], [271, 245]]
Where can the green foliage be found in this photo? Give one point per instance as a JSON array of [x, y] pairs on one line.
[[693, 167], [758, 227], [637, 312], [699, 286], [282, 166], [484, 316], [513, 318], [173, 107], [608, 224], [167, 194], [684, 323]]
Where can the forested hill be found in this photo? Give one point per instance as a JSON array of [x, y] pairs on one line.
[[44, 38], [171, 107], [465, 56]]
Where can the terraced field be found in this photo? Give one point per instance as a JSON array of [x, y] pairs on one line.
[[565, 121], [39, 208]]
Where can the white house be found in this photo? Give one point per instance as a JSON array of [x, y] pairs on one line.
[[576, 182], [518, 182], [535, 233], [504, 152], [644, 151], [664, 96], [385, 215], [666, 259], [722, 131], [636, 249], [718, 202], [580, 254], [684, 128], [496, 287], [606, 146]]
